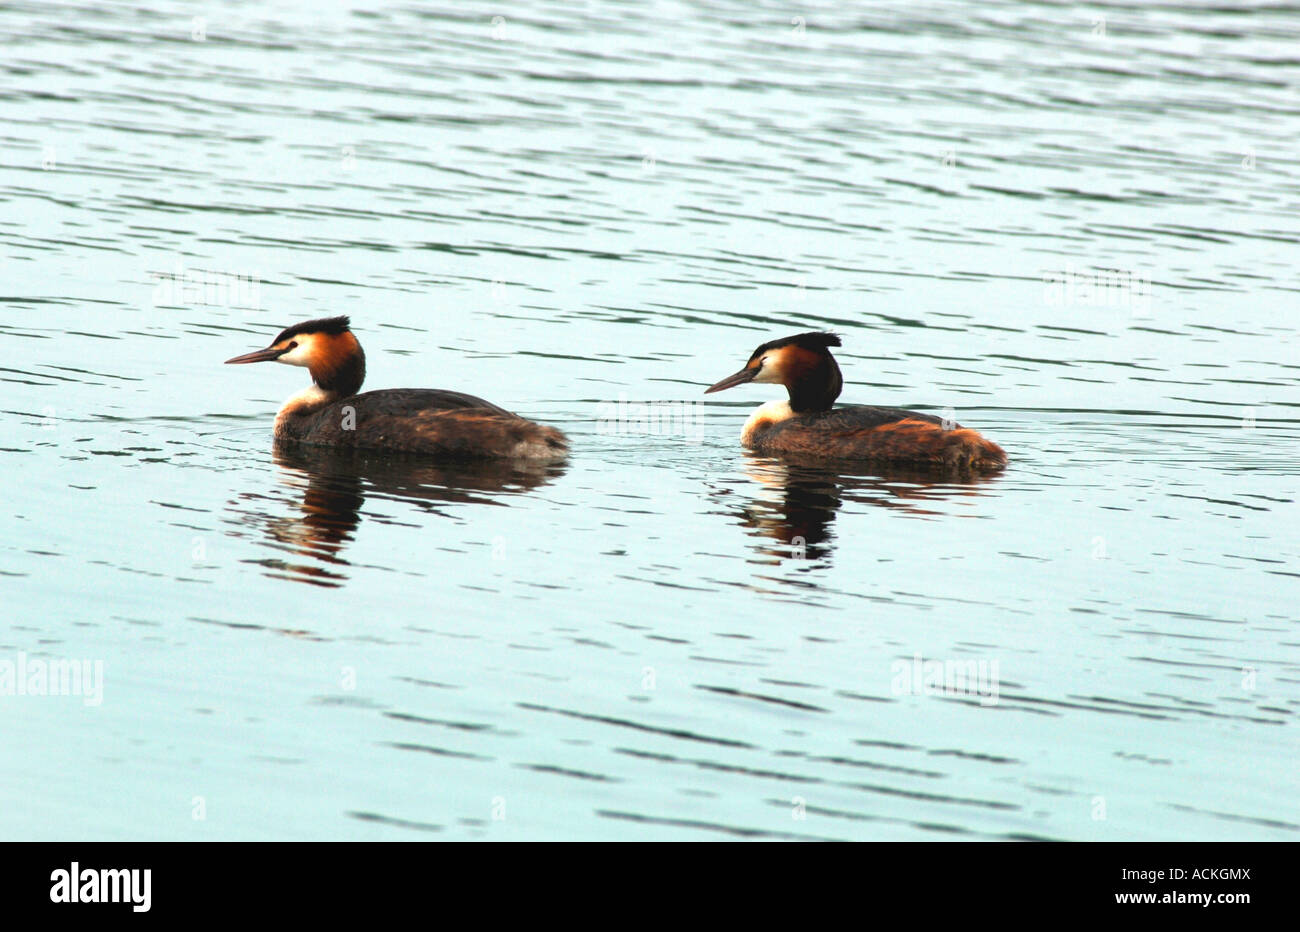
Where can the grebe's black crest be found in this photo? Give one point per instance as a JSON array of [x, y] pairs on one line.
[[813, 340], [330, 325]]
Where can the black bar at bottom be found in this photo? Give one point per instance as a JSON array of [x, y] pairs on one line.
[[306, 881]]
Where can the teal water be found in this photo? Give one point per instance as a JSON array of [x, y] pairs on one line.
[[584, 208]]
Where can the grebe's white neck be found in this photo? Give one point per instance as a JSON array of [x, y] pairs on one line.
[[306, 401], [766, 414]]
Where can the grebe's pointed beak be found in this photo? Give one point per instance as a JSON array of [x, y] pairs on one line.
[[731, 381], [262, 355]]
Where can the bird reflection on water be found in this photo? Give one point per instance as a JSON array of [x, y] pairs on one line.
[[796, 503], [329, 487]]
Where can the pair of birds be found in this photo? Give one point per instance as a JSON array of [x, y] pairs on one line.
[[452, 425]]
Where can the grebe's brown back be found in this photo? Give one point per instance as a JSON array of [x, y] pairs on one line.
[[808, 426], [431, 422]]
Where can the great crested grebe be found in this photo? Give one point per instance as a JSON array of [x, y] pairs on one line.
[[426, 421], [807, 425]]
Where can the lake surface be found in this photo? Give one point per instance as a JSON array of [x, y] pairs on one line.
[[1078, 235]]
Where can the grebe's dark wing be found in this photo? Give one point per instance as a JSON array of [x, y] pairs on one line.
[[396, 401], [867, 417], [863, 432], [448, 425]]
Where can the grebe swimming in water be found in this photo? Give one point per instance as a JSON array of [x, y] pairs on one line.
[[807, 425], [430, 422]]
